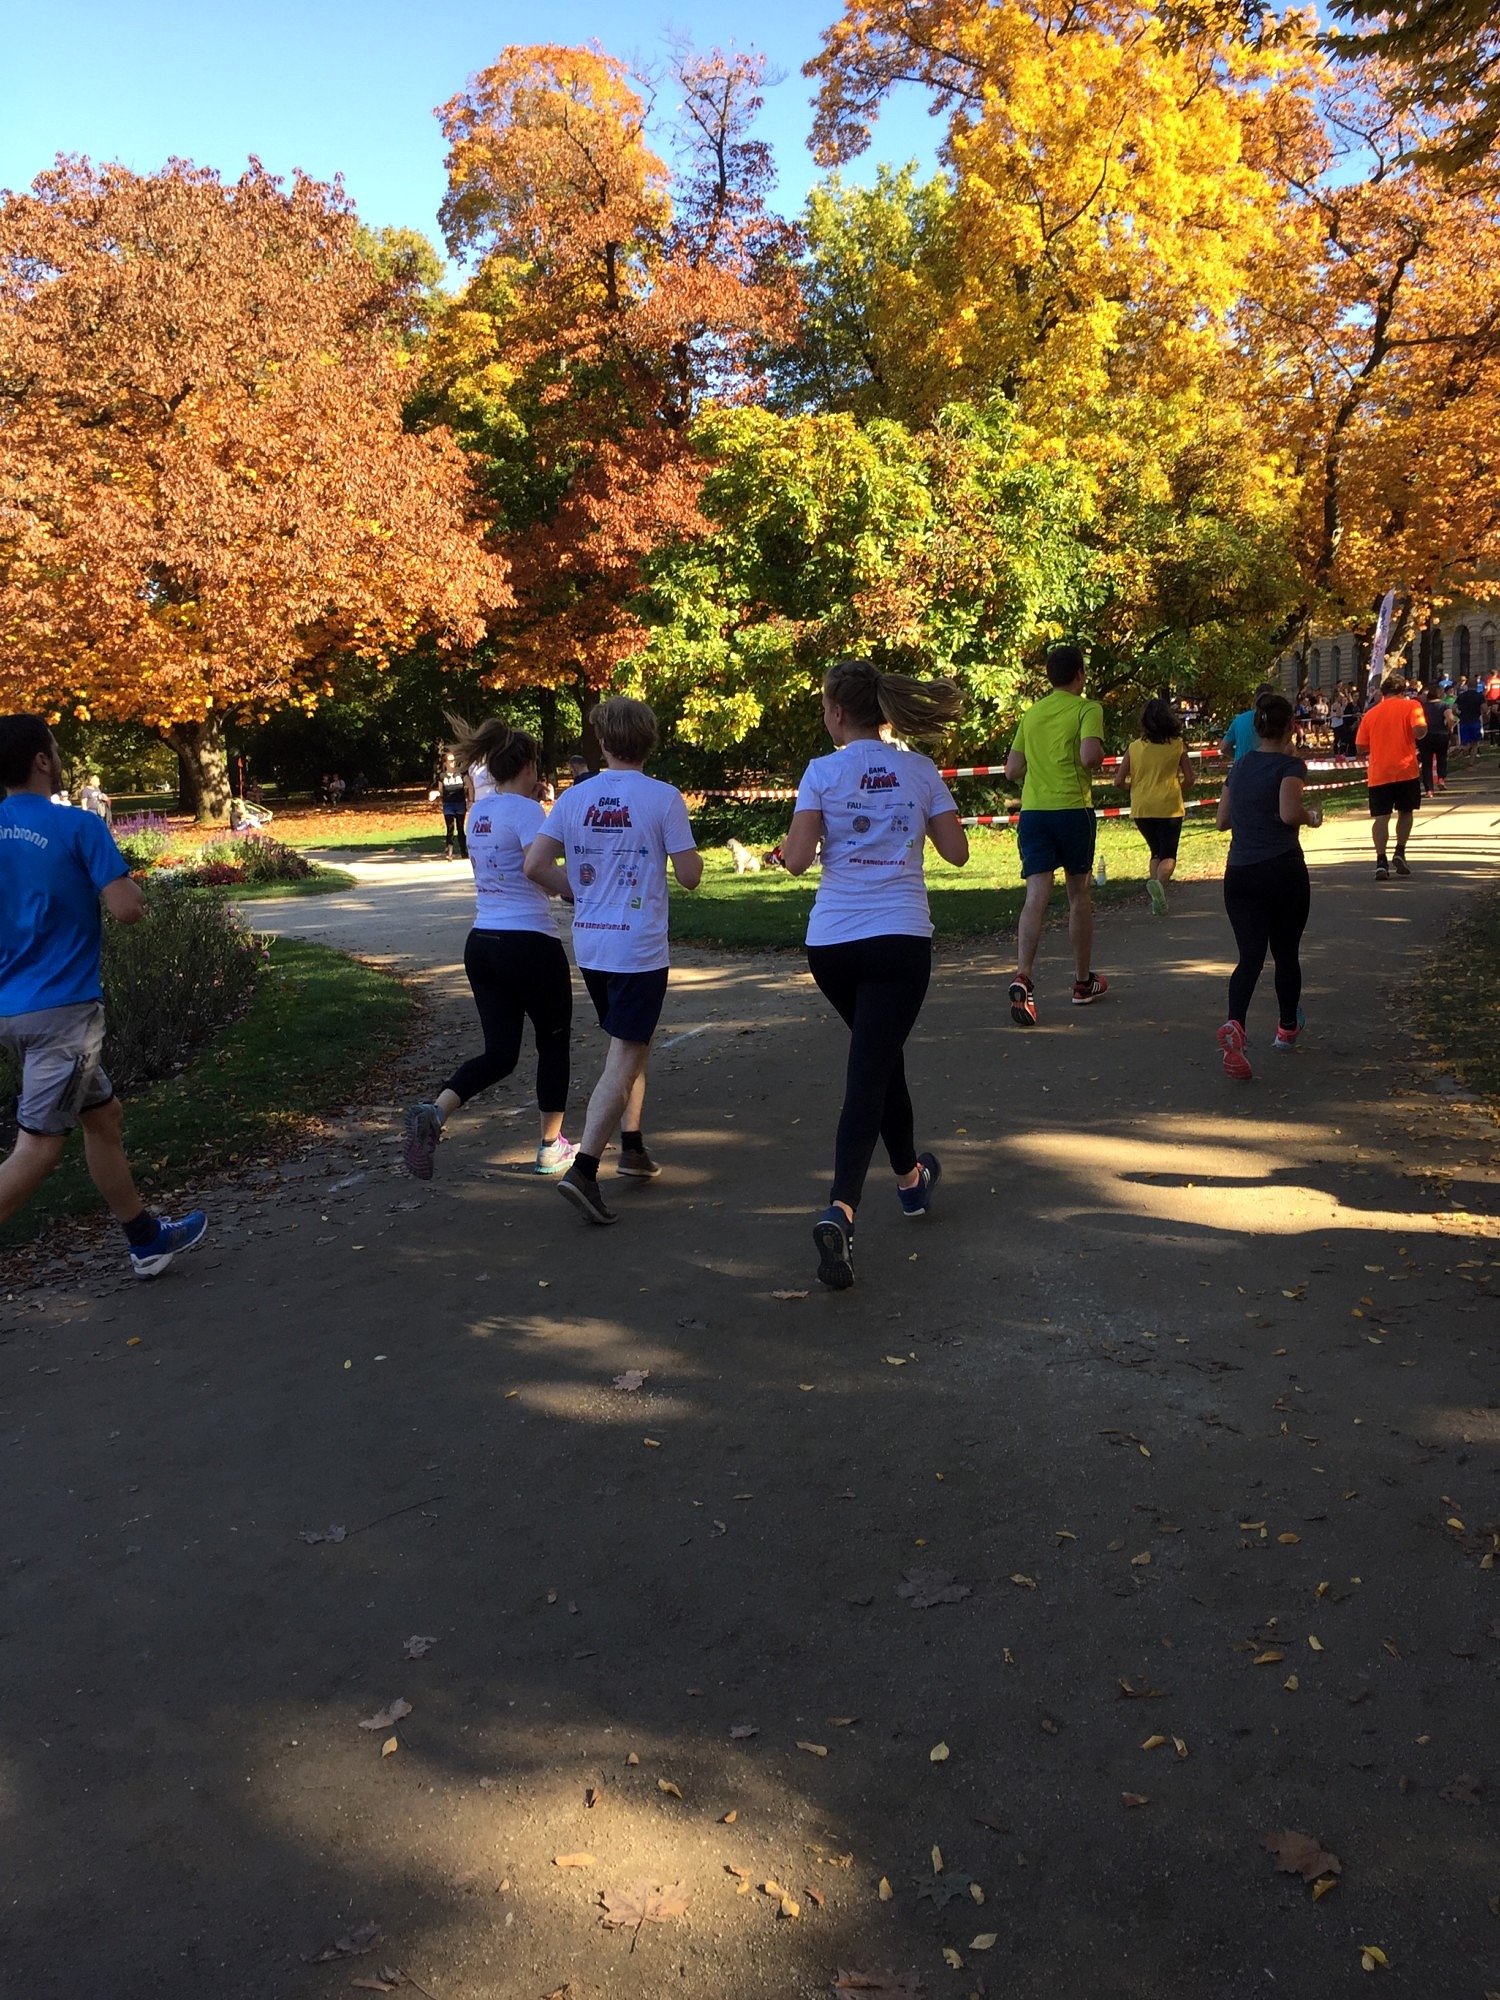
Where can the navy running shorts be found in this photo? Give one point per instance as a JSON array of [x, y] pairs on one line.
[[1052, 840], [628, 1004]]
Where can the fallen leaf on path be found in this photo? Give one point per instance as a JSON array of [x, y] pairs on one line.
[[1299, 1854], [952, 1958], [653, 1443], [572, 1861], [1143, 1693], [1134, 1799], [1322, 1886], [937, 1861], [885, 1891], [813, 1749], [743, 1729], [924, 1588], [1179, 1746], [986, 1941], [1025, 1582], [1315, 1642], [788, 1907], [632, 1758], [390, 1746], [593, 1796], [729, 1818], [816, 1896], [1370, 1955], [895, 1360], [416, 1646], [377, 1982], [666, 1785], [842, 1721], [976, 1894], [632, 1378], [322, 1535], [559, 1992], [353, 1944], [387, 1716], [1142, 1561], [641, 1904], [1467, 1789], [1270, 1658], [883, 1985], [938, 1754], [1153, 1742], [788, 1295]]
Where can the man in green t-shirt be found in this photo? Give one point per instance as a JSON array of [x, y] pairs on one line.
[[1059, 741]]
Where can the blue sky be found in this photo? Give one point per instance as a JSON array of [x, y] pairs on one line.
[[351, 88]]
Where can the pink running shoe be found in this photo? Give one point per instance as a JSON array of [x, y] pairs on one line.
[[1236, 1062]]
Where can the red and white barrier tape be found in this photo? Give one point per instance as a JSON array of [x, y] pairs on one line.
[[761, 795], [1123, 812]]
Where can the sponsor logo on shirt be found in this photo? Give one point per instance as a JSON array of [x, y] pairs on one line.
[[607, 812], [861, 824], [480, 826], [24, 833], [878, 781], [586, 873]]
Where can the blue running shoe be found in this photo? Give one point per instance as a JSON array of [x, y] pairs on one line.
[[170, 1238], [833, 1233], [917, 1200]]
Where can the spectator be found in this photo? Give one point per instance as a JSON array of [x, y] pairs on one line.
[[1432, 751], [94, 799]]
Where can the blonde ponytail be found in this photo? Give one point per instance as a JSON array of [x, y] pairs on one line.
[[913, 708]]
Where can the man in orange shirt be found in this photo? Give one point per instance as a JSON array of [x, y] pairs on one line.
[[1389, 731]]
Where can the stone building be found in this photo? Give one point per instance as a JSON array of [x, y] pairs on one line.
[[1462, 639]]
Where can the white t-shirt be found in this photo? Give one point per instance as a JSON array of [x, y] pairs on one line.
[[617, 831], [500, 828], [876, 802], [483, 783]]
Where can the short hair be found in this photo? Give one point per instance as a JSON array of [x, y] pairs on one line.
[[1393, 684], [626, 728], [23, 738], [1273, 715], [1160, 722], [1064, 664], [578, 764]]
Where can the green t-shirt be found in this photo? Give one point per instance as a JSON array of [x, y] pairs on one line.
[[1048, 736]]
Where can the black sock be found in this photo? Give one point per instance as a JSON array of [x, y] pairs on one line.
[[142, 1231], [631, 1142], [586, 1164]]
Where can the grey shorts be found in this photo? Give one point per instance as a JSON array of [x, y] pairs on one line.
[[58, 1049]]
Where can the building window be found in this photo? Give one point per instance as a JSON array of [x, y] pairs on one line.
[[1487, 649], [1461, 636], [1336, 670], [1315, 668]]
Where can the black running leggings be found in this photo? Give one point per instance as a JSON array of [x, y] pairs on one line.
[[1432, 755], [1268, 902], [516, 975], [877, 985], [453, 829]]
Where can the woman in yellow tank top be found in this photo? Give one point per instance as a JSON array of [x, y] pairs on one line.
[[1154, 770]]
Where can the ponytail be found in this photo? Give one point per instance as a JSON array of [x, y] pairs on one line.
[[1273, 715], [913, 708], [504, 752]]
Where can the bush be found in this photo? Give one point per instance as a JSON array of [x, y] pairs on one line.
[[142, 838], [171, 982], [256, 857]]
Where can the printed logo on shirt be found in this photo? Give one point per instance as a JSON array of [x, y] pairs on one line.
[[607, 812], [586, 874], [24, 833], [861, 824], [878, 780], [480, 826]]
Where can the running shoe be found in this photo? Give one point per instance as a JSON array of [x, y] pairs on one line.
[[637, 1165], [1236, 1062], [1022, 1002], [1158, 896], [1382, 873], [171, 1237], [833, 1233], [917, 1199], [1286, 1038], [1401, 867], [553, 1156], [1087, 991], [582, 1190], [424, 1128]]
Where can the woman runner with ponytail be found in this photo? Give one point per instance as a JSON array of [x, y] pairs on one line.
[[872, 807], [513, 956]]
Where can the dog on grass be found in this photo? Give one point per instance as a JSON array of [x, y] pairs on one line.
[[745, 862]]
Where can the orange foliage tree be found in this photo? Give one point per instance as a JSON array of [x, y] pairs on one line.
[[611, 296], [208, 499]]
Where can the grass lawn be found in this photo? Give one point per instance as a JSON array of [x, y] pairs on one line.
[[319, 1024], [769, 910], [321, 882], [1455, 1004]]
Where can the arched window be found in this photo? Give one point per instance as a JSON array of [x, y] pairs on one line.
[[1461, 640], [1315, 667]]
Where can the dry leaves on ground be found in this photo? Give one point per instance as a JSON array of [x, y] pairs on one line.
[[923, 1588], [666, 1785], [813, 1749], [322, 1535], [416, 1646], [641, 1904], [632, 1378], [388, 1715], [1467, 1789], [882, 1985], [572, 1861], [741, 1730], [386, 1980], [353, 1944], [789, 1295], [1299, 1854]]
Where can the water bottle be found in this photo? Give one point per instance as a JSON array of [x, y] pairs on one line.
[[1101, 873]]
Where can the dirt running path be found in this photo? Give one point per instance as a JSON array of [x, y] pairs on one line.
[[1191, 1389]]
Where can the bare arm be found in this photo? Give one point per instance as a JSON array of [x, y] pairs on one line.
[[948, 836], [1124, 774], [1221, 817], [1289, 803], [800, 848], [546, 865], [1091, 753], [1015, 766], [1184, 769], [123, 900], [687, 867]]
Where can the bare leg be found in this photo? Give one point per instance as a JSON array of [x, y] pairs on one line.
[[635, 1103], [624, 1069], [104, 1153], [1379, 830], [1166, 868], [551, 1123], [1081, 922], [447, 1102], [1033, 915], [1403, 828], [24, 1168]]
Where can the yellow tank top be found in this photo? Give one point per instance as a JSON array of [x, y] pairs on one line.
[[1155, 792]]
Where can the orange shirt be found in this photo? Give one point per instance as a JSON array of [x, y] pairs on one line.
[[1388, 732]]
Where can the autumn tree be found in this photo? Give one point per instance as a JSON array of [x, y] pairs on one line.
[[1445, 55], [210, 502], [613, 295]]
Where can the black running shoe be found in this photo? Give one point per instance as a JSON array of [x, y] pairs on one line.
[[1382, 873], [636, 1164], [582, 1190], [1400, 865], [833, 1233], [918, 1199]]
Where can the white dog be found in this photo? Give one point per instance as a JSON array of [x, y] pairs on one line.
[[745, 863]]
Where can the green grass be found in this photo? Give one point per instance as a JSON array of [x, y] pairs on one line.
[[1455, 1004], [320, 1023], [769, 910], [322, 882]]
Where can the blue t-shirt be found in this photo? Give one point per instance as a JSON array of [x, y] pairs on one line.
[[1241, 736], [1257, 830], [54, 860]]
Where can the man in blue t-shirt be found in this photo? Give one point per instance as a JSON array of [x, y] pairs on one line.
[[56, 864], [1239, 738]]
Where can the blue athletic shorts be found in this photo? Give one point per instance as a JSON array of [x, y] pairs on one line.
[[628, 1003], [1052, 840], [1471, 732]]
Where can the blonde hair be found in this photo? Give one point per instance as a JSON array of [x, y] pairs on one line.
[[625, 728], [911, 707]]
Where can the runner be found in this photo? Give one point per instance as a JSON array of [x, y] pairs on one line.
[[614, 837], [513, 956], [56, 864], [1059, 741], [453, 798], [1239, 739], [1468, 707], [1154, 770], [1432, 751], [871, 808], [1266, 890], [1390, 731]]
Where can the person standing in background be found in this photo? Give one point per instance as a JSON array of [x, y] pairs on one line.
[[452, 797]]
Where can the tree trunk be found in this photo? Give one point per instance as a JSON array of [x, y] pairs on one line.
[[588, 701], [202, 769], [546, 701]]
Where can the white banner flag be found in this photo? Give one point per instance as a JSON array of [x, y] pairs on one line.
[[1379, 643]]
